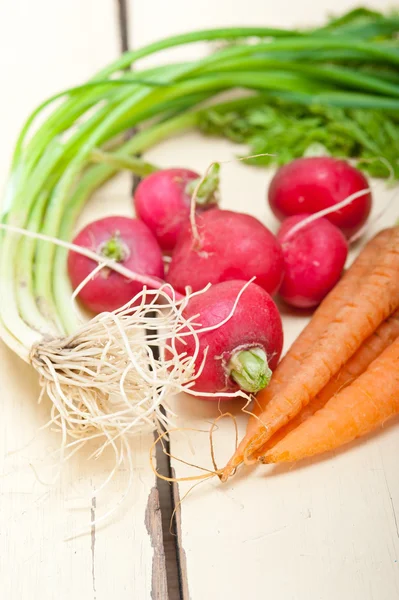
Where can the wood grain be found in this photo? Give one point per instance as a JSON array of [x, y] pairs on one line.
[[153, 521], [322, 530], [48, 549], [181, 554]]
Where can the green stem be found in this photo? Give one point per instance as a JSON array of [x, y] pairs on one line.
[[119, 162], [77, 100], [330, 73], [250, 370], [30, 307], [208, 190], [114, 248]]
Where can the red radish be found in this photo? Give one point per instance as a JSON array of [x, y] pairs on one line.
[[232, 246], [314, 258], [127, 241], [162, 201], [308, 185], [243, 351]]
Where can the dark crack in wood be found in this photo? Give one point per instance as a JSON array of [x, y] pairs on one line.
[[123, 25], [166, 574], [180, 552], [170, 538], [126, 44], [153, 521]]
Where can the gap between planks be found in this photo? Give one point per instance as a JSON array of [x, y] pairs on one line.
[[169, 574]]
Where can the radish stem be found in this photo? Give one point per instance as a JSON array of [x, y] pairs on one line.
[[207, 187], [114, 249], [249, 368]]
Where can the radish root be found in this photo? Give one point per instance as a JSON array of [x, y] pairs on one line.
[[113, 379], [325, 212], [106, 378]]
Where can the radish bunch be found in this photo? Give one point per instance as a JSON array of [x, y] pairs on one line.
[[237, 335], [228, 263]]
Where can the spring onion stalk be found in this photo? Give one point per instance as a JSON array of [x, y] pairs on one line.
[[57, 165]]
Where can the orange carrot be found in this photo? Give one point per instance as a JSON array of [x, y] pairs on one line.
[[376, 298], [384, 335], [366, 404], [343, 292]]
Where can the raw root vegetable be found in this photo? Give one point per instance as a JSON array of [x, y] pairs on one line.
[[125, 241], [364, 282], [162, 201], [226, 245], [105, 380], [309, 185], [383, 337], [376, 298], [241, 353], [289, 366], [314, 258], [360, 408]]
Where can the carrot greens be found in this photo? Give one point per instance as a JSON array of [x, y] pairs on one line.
[[286, 130]]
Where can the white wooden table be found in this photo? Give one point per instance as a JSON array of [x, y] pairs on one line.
[[323, 530]]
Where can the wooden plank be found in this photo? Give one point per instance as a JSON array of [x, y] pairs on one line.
[[48, 46], [131, 549], [325, 529], [322, 530]]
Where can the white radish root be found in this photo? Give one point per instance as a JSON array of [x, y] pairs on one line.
[[112, 379], [111, 376]]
